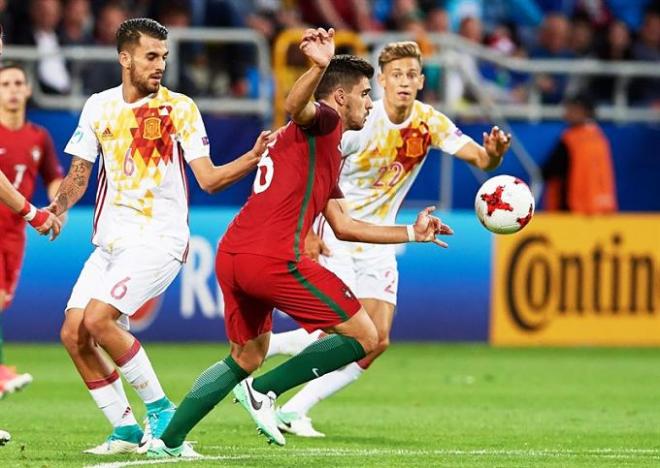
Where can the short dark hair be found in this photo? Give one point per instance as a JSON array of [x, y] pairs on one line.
[[343, 70], [14, 66], [131, 30], [584, 100]]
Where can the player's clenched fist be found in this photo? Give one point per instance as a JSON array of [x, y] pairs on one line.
[[427, 226], [319, 45], [42, 220]]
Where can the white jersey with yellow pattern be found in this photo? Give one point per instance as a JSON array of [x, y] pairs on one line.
[[142, 195], [383, 159], [381, 162]]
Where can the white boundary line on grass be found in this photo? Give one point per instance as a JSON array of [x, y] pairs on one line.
[[610, 453]]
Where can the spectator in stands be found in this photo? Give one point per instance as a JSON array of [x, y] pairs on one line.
[[228, 64], [103, 75], [191, 59], [647, 47], [552, 43], [6, 20], [77, 23], [401, 13], [617, 47], [581, 37], [579, 173], [458, 83], [45, 16], [437, 20], [354, 15]]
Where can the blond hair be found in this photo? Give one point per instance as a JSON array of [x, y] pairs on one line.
[[398, 50]]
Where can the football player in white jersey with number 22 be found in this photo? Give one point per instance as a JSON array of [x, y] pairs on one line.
[[381, 163], [144, 133]]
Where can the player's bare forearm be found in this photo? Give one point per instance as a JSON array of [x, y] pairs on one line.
[[73, 186], [490, 155], [318, 45], [299, 103], [349, 229], [346, 228], [213, 178], [225, 175], [52, 188], [9, 195]]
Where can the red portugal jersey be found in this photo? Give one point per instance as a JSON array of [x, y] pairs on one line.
[[295, 179], [24, 153]]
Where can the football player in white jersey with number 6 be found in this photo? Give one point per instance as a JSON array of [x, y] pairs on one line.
[[381, 162], [144, 134]]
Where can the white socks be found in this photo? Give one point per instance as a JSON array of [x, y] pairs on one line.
[[291, 342], [112, 402], [137, 369], [321, 388]]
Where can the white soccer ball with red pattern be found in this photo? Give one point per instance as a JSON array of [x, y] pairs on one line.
[[504, 204]]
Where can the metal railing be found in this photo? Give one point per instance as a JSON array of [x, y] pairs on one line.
[[448, 49], [78, 56]]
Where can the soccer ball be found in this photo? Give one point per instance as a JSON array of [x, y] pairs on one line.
[[504, 204]]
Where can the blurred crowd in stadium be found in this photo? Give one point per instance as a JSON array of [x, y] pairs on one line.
[[602, 29]]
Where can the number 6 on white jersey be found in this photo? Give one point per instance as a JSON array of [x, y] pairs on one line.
[[265, 171]]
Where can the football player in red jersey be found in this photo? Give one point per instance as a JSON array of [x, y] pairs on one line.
[[26, 150], [260, 265]]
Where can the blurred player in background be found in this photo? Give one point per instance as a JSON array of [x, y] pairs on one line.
[[26, 150], [579, 173], [17, 201], [259, 263], [144, 133], [381, 162]]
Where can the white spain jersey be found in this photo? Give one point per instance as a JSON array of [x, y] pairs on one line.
[[142, 195], [383, 159], [381, 162]]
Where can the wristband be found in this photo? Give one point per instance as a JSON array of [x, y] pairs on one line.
[[39, 219], [411, 233], [28, 212]]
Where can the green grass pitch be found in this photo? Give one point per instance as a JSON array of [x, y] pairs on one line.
[[419, 405]]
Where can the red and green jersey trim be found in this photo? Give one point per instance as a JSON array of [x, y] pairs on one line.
[[311, 143], [293, 269]]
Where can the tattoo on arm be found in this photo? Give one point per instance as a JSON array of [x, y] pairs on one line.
[[73, 186]]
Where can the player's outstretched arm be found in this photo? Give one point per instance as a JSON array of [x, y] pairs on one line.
[[490, 155], [72, 187], [319, 46], [425, 229], [212, 178], [43, 221]]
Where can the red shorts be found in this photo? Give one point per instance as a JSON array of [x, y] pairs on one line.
[[11, 260], [253, 285]]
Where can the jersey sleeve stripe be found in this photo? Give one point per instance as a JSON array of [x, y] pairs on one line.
[[100, 197]]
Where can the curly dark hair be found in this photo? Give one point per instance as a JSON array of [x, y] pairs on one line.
[[345, 71], [130, 31]]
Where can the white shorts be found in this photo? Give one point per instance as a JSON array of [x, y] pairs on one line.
[[369, 270], [125, 279]]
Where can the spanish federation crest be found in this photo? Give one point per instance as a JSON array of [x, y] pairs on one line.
[[151, 128]]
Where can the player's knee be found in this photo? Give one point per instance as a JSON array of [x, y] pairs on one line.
[[382, 345], [95, 324], [247, 361], [369, 339]]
